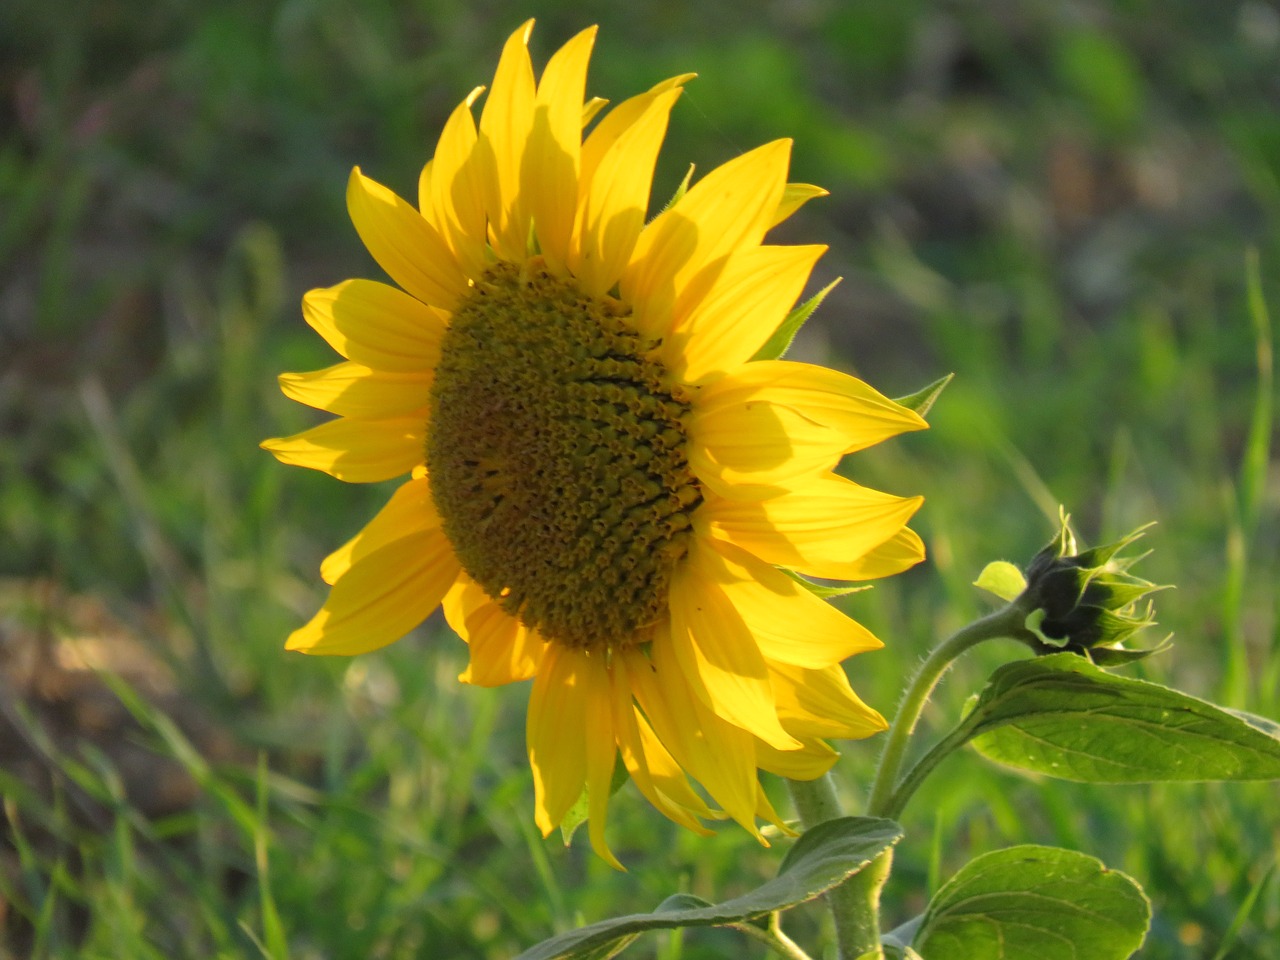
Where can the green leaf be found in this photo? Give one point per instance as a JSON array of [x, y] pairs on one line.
[[780, 341], [1265, 724], [682, 901], [577, 814], [607, 950], [897, 942], [1003, 579], [922, 400], [1064, 717], [1035, 903], [822, 858]]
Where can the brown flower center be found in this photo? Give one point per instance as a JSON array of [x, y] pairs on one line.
[[556, 452]]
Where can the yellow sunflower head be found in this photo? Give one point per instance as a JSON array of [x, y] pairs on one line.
[[604, 493]]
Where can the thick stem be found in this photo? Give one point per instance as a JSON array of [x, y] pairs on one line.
[[861, 894], [1008, 622], [816, 801], [855, 904]]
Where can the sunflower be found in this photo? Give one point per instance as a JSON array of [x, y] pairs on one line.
[[606, 493]]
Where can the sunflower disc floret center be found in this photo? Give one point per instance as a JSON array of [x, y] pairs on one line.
[[557, 455]]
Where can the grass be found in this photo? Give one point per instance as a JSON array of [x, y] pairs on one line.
[[1054, 201]]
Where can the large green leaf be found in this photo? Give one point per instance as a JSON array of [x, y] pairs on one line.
[[822, 858], [1064, 717], [1034, 903]]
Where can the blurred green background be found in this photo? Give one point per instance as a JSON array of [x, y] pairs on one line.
[[1051, 198]]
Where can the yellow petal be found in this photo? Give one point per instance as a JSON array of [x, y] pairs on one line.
[[788, 623], [601, 751], [618, 120], [353, 390], [503, 650], [424, 194], [765, 811], [795, 196], [357, 451], [556, 734], [381, 598], [807, 764], [616, 199], [716, 753], [457, 189], [903, 550], [824, 526], [728, 209], [717, 650], [651, 767], [549, 174], [409, 511], [820, 703], [591, 108], [750, 297], [504, 133], [773, 421], [377, 325], [404, 243]]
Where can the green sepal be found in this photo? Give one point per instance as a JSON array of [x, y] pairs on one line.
[[1119, 656], [823, 591], [1003, 579], [922, 400], [1098, 556], [1035, 903], [822, 858], [1118, 590], [681, 190], [1088, 626], [780, 342]]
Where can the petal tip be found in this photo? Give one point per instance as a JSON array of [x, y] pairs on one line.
[[300, 641]]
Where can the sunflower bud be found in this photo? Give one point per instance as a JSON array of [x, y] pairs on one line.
[[1085, 601]]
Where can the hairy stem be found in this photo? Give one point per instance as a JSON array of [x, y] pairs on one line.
[[855, 904], [1008, 622]]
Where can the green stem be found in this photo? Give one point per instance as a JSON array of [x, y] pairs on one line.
[[773, 938], [855, 904], [816, 801], [921, 769], [1008, 622]]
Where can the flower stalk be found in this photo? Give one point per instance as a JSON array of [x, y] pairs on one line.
[[1007, 622], [855, 904]]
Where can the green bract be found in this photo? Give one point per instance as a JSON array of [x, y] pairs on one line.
[[1086, 601]]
